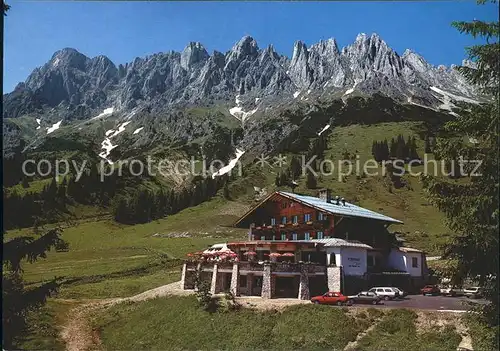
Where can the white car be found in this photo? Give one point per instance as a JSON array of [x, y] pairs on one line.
[[387, 293], [449, 291], [474, 292], [401, 292]]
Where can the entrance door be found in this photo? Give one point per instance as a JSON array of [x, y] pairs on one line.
[[287, 287]]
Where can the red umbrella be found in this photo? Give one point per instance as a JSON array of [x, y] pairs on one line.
[[250, 253], [288, 254], [274, 254]]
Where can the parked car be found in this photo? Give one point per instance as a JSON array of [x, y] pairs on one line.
[[474, 292], [331, 298], [401, 292], [386, 293], [451, 291], [430, 290], [366, 297]]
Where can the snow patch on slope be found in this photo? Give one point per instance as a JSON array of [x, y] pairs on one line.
[[121, 128], [349, 91], [325, 128], [449, 95], [54, 127], [297, 93], [138, 130], [106, 112], [107, 145], [230, 165], [238, 112]]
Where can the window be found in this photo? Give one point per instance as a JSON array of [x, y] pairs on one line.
[[414, 262], [307, 217], [319, 235], [273, 221], [283, 205], [333, 260], [322, 216], [243, 281], [263, 237], [283, 220], [380, 290], [274, 237], [307, 236], [283, 236], [295, 219], [294, 236], [388, 290]]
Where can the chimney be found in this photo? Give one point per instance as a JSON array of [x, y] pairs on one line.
[[337, 200], [325, 195], [343, 201]]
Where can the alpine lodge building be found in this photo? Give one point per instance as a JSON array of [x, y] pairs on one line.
[[299, 246]]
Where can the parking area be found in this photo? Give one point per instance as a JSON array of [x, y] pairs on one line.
[[437, 303]]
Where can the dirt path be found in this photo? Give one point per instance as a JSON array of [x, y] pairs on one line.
[[77, 333]]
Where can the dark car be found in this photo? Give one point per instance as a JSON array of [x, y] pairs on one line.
[[331, 298], [366, 297], [430, 290]]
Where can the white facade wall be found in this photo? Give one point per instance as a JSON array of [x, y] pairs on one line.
[[403, 261], [353, 260]]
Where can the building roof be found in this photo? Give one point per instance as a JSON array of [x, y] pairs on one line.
[[336, 242], [348, 209], [408, 249], [330, 242]]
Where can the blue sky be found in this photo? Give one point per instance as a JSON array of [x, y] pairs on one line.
[[125, 30]]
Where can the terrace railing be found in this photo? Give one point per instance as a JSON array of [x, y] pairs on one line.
[[225, 265], [251, 266], [286, 267]]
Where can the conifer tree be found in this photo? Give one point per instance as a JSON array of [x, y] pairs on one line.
[[427, 147], [472, 208], [17, 299], [311, 182]]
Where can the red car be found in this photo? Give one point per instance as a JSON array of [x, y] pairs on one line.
[[430, 290], [331, 298]]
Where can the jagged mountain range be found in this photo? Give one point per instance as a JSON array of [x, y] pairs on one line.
[[79, 87]]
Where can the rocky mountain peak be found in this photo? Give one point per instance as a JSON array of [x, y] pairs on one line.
[[368, 65], [192, 54], [69, 57], [415, 60], [246, 46], [300, 73]]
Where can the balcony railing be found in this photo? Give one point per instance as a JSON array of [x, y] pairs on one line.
[[191, 265], [251, 266], [316, 268], [225, 265], [286, 267]]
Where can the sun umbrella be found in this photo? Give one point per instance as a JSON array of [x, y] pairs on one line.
[[250, 253], [274, 254], [288, 254]]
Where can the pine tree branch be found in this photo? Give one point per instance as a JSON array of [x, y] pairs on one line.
[[29, 248]]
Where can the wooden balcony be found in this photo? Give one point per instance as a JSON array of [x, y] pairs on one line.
[[251, 266], [290, 226], [285, 267]]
